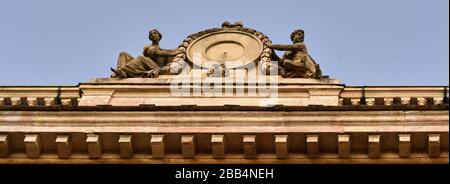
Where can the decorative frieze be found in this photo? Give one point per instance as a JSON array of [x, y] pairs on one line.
[[438, 101], [16, 101], [421, 101], [388, 101], [32, 101], [49, 102], [66, 102], [340, 101], [355, 101], [405, 100], [370, 101]]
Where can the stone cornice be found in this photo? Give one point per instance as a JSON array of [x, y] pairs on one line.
[[225, 121], [157, 136], [150, 108], [313, 122]]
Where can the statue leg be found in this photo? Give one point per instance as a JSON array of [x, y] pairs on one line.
[[117, 73], [123, 59], [140, 67], [310, 64], [294, 65], [293, 68]]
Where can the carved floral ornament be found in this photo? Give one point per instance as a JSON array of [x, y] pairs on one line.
[[220, 50]]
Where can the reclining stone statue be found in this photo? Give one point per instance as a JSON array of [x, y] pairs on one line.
[[296, 62], [153, 62]]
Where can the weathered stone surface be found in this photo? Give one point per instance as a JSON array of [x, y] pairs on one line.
[[49, 102], [249, 146], [126, 145], [33, 145], [158, 92], [434, 145], [374, 148], [16, 101], [66, 102], [356, 101], [63, 146], [4, 145], [218, 146], [370, 101], [31, 101], [405, 100], [94, 145], [421, 101], [188, 146], [231, 121], [158, 146], [281, 146], [344, 146], [388, 101], [438, 101], [404, 145], [312, 146]]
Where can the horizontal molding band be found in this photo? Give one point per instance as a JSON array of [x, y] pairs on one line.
[[222, 117], [386, 158], [242, 129], [276, 108]]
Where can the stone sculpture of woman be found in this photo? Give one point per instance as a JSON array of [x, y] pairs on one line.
[[296, 62], [153, 62]]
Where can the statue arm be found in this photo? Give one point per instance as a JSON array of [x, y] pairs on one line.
[[166, 52], [171, 50], [294, 47]]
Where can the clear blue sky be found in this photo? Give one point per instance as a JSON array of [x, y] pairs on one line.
[[361, 42]]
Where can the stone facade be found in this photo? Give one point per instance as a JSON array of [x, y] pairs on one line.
[[138, 121]]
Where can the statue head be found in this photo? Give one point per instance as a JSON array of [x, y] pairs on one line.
[[298, 36], [154, 35]]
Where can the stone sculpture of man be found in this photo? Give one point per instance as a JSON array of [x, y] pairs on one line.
[[296, 63], [153, 62]]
